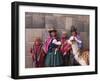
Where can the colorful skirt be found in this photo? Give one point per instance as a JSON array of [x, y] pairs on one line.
[[53, 60]]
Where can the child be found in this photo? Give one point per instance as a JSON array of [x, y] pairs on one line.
[[38, 54], [65, 48], [53, 57], [75, 37]]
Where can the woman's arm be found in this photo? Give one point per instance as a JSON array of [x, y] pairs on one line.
[[56, 42], [78, 40]]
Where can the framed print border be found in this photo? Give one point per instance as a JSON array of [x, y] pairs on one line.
[[15, 39]]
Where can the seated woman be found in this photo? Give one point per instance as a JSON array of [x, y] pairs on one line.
[[54, 56]]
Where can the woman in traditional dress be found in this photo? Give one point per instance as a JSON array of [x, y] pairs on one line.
[[65, 48], [38, 54], [53, 56]]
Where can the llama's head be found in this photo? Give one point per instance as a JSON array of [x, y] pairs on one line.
[[74, 46], [73, 41]]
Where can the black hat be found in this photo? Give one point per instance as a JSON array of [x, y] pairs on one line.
[[73, 29]]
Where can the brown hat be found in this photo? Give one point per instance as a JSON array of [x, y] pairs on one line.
[[52, 30]]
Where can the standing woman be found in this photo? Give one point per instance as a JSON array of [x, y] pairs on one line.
[[52, 45], [65, 48]]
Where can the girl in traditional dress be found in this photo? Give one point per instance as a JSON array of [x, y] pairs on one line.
[[38, 54], [75, 37], [54, 56], [65, 48]]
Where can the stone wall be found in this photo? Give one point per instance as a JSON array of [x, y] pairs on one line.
[[37, 23]]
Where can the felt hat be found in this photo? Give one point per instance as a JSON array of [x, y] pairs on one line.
[[51, 29], [73, 29]]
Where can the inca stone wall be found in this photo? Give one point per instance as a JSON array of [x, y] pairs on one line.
[[37, 23]]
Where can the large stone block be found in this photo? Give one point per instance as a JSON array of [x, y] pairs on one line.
[[38, 20], [28, 46], [85, 39], [28, 62], [61, 23], [50, 21], [28, 20], [81, 22], [68, 23], [79, 25], [31, 34], [34, 20]]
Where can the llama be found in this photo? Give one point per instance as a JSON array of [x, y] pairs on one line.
[[81, 58]]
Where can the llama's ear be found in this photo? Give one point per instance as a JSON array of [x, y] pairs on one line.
[[69, 41], [72, 41]]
